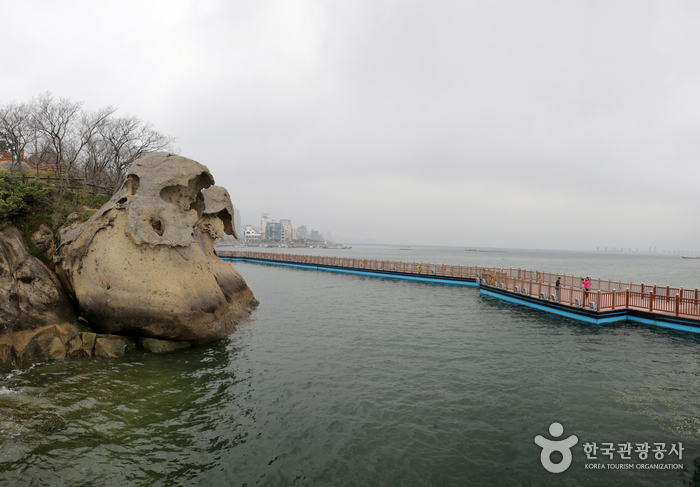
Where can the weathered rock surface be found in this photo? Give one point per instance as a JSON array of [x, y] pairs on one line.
[[81, 345], [36, 314], [143, 265], [30, 294], [155, 345], [110, 346], [43, 239]]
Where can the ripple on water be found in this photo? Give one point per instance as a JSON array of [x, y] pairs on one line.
[[346, 380]]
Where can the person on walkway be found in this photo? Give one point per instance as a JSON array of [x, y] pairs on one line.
[[586, 286], [556, 286]]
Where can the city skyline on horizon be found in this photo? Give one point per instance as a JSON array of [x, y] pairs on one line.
[[652, 249]]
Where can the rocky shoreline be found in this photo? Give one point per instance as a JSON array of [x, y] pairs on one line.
[[141, 272]]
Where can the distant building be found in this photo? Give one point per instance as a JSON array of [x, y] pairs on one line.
[[251, 235], [273, 231], [7, 156], [237, 223], [302, 233], [286, 224], [286, 232], [316, 235], [264, 219]]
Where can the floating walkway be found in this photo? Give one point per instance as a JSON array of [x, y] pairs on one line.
[[416, 271], [605, 302]]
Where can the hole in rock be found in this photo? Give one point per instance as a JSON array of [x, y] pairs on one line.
[[132, 184], [198, 205], [157, 226], [189, 197]]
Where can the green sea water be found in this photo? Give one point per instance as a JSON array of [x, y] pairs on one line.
[[350, 380]]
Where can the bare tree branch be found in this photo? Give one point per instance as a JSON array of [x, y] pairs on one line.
[[129, 138], [17, 131], [55, 120], [60, 132]]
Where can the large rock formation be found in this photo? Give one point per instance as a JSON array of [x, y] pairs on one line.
[[36, 314], [144, 265]]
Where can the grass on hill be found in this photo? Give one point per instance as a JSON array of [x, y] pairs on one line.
[[29, 205]]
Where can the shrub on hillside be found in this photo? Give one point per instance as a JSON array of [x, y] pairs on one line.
[[16, 197]]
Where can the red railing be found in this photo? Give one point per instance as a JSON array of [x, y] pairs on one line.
[[420, 268], [603, 295], [596, 300]]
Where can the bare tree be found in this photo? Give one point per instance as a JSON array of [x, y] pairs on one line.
[[60, 132], [17, 130], [54, 120], [86, 130], [128, 139], [41, 152], [68, 129], [96, 160]]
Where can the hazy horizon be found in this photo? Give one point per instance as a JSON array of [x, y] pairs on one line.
[[599, 249], [488, 124]]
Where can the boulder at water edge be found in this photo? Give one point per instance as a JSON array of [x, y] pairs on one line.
[[144, 264], [36, 314]]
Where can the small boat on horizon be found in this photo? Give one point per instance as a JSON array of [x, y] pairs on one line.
[[690, 257]]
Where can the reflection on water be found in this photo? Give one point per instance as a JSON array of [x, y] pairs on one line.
[[348, 380]]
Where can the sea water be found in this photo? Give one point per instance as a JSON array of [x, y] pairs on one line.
[[352, 380]]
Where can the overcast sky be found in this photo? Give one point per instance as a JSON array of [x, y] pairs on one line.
[[522, 124]]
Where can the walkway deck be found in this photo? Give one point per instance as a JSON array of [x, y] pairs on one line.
[[418, 271], [606, 302]]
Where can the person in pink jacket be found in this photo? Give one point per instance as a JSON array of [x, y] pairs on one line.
[[586, 288]]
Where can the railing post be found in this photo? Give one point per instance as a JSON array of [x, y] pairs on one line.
[[627, 298], [613, 299], [677, 304], [651, 301], [597, 298]]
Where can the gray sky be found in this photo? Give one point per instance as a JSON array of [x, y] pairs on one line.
[[530, 124]]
